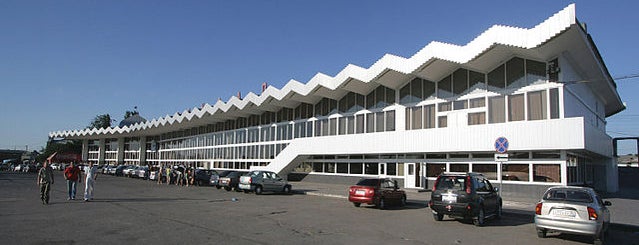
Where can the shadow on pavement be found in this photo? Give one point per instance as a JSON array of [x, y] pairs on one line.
[[141, 199]]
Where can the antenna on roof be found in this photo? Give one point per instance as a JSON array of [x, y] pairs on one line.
[[264, 86], [239, 95]]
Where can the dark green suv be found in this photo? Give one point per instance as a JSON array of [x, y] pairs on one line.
[[465, 196]]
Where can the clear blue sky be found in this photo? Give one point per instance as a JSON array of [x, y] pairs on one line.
[[64, 62]]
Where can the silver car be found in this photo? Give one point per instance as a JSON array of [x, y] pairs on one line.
[[571, 209], [259, 181]]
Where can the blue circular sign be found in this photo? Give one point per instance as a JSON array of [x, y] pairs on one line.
[[501, 145]]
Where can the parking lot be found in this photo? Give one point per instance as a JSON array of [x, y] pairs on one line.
[[134, 211]]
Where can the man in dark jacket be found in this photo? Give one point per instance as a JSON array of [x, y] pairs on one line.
[[45, 180]]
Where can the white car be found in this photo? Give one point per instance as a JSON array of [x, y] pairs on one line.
[[575, 210]]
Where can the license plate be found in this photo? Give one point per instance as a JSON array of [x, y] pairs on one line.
[[449, 198], [360, 192], [564, 213]]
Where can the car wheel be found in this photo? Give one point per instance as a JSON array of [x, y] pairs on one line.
[[218, 187], [402, 202], [480, 219], [438, 217], [599, 239], [499, 212], [356, 204], [382, 204], [258, 190], [541, 233], [287, 190], [227, 188]]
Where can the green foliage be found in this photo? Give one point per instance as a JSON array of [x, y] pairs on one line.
[[101, 121]]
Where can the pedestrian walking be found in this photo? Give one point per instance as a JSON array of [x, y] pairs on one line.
[[90, 172], [73, 175], [168, 175], [45, 180]]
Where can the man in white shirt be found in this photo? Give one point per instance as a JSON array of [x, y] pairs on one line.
[[90, 172]]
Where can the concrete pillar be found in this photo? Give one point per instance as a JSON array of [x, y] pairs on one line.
[[143, 150], [101, 145], [120, 150], [85, 150], [612, 175]]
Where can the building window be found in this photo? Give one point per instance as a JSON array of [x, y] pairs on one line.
[[429, 116], [417, 117], [370, 123], [477, 103], [360, 123], [356, 168], [488, 170], [460, 81], [456, 167], [379, 121], [342, 125], [435, 169], [476, 81], [391, 168], [496, 79], [515, 73], [318, 167], [554, 103], [537, 105], [547, 173], [390, 121], [516, 107], [476, 118], [515, 172], [496, 109], [443, 121], [535, 72], [371, 168], [445, 106], [342, 168]]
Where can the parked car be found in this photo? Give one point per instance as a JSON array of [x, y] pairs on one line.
[[465, 196], [128, 171], [260, 181], [376, 191], [142, 172], [119, 171], [215, 178], [231, 180], [572, 209], [202, 176]]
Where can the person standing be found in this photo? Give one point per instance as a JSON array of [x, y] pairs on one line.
[[45, 180], [73, 175], [91, 176]]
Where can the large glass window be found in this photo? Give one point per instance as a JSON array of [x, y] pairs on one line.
[[350, 125], [417, 117], [342, 168], [429, 116], [535, 72], [359, 123], [458, 167], [476, 118], [390, 120], [460, 81], [356, 168], [391, 168], [445, 87], [379, 121], [496, 109], [554, 103], [371, 168], [443, 121], [489, 170], [537, 105], [515, 172], [476, 81], [435, 169], [370, 123], [496, 79], [546, 173], [515, 76], [516, 107], [342, 125]]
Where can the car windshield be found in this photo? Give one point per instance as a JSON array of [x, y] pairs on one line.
[[568, 195], [368, 182], [451, 182]]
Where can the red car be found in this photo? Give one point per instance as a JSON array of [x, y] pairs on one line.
[[378, 192]]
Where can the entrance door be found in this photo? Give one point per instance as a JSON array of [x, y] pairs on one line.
[[409, 180]]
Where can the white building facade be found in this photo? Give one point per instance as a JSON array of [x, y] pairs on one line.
[[545, 89]]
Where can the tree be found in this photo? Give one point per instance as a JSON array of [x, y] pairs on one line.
[[64, 146], [101, 121]]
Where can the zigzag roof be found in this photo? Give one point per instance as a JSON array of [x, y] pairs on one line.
[[365, 79]]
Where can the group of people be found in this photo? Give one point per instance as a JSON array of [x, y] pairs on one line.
[[182, 177], [73, 176]]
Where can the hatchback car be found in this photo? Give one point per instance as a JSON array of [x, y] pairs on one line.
[[378, 192], [465, 196], [231, 180], [202, 176], [572, 209], [260, 181], [215, 178]]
